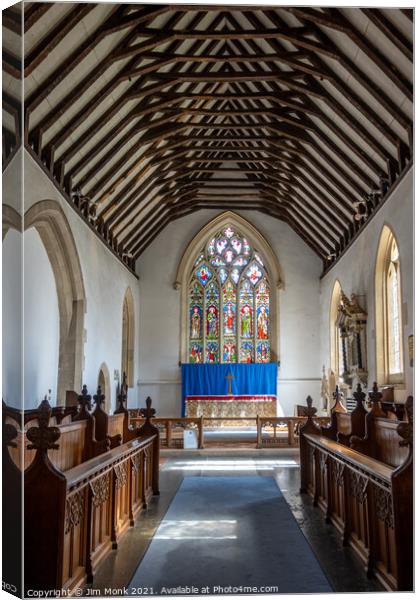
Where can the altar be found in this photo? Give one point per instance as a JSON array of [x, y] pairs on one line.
[[229, 390], [230, 406]]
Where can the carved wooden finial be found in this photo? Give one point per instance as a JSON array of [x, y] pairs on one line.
[[84, 399], [121, 399], [338, 406], [99, 397], [375, 401], [148, 412], [359, 396], [309, 410], [43, 437], [405, 429], [375, 395]]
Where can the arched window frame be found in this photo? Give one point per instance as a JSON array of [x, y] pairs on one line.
[[256, 240], [127, 339], [336, 347], [385, 340]]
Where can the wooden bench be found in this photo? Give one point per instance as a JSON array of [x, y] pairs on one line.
[[73, 519], [381, 438], [345, 424], [368, 500], [106, 426], [78, 433], [172, 429], [279, 432]]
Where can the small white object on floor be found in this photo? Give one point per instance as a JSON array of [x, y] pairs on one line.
[[190, 439]]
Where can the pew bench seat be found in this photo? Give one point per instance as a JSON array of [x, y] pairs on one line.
[[368, 501]]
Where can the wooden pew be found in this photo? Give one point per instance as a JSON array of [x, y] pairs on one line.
[[369, 502], [345, 424], [79, 431], [106, 426], [11, 506], [129, 431], [337, 410], [59, 414], [353, 423], [381, 438], [72, 520], [72, 449]]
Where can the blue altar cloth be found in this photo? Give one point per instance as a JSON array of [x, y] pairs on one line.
[[210, 379]]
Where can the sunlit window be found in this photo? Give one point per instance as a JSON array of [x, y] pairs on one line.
[[127, 346], [393, 294], [337, 362], [229, 302], [389, 325]]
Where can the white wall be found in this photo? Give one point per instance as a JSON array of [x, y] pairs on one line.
[[303, 333], [12, 318], [356, 273], [41, 322], [105, 280], [299, 373]]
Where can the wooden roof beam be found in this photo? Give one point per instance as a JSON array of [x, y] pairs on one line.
[[320, 92], [335, 19], [55, 35], [70, 63], [376, 91], [33, 13], [12, 20], [77, 91], [296, 35], [390, 31]]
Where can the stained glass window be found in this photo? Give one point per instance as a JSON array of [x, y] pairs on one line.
[[229, 302]]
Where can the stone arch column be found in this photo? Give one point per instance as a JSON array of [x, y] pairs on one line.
[[271, 264], [52, 226]]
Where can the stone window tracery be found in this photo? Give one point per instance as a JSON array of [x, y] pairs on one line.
[[229, 302]]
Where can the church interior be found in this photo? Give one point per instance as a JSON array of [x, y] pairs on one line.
[[208, 314]]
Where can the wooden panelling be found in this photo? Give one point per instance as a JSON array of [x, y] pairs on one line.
[[115, 425], [381, 441], [369, 502], [72, 520], [74, 512], [69, 454]]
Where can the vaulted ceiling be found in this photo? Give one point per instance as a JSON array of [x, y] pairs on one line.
[[142, 114]]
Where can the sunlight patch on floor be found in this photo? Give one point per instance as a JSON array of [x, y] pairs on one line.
[[197, 530], [233, 465]]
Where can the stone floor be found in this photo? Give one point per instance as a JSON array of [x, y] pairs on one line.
[[341, 567]]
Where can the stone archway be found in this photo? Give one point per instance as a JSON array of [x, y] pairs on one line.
[[52, 226], [11, 219]]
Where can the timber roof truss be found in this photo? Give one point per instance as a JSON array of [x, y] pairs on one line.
[[142, 114]]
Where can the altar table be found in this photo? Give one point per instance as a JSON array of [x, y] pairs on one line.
[[231, 406]]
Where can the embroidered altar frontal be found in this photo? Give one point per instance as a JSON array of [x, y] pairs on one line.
[[231, 406]]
